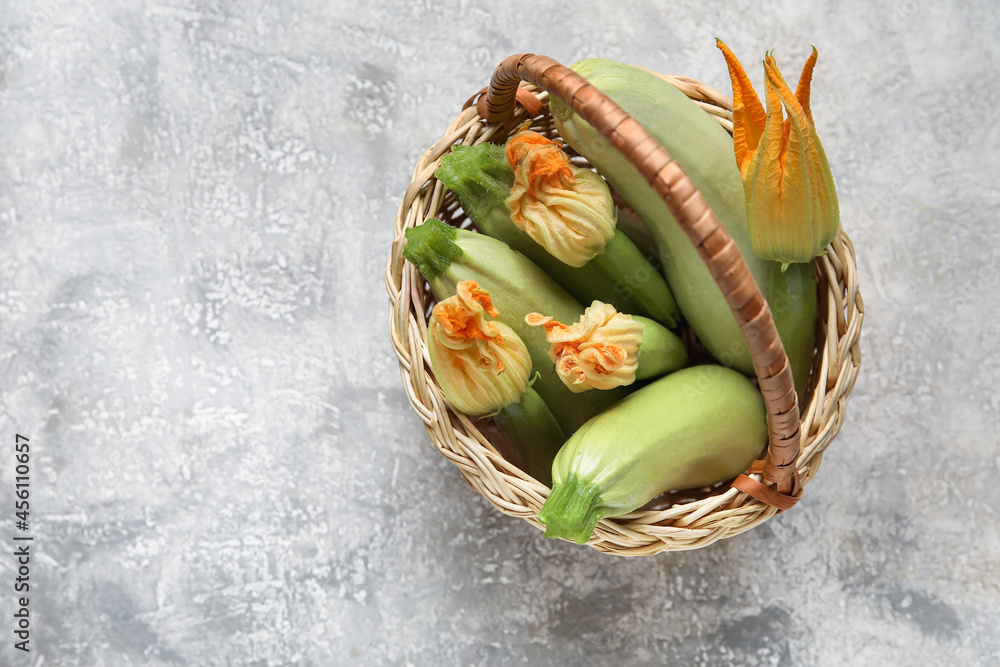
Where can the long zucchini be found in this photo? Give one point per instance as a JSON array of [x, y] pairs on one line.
[[705, 152]]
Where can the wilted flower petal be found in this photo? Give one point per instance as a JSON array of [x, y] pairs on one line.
[[566, 209], [600, 351]]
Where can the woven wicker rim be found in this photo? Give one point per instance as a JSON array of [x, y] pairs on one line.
[[680, 526]]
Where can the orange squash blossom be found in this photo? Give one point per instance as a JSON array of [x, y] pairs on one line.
[[481, 365], [792, 207], [600, 351], [566, 209]]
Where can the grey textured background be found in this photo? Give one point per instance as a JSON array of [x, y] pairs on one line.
[[196, 203]]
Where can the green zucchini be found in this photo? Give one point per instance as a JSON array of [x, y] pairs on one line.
[[705, 152], [693, 428], [661, 351], [607, 349], [621, 275], [534, 434]]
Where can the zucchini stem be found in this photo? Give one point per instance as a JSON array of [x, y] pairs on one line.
[[431, 247], [480, 177], [572, 510]]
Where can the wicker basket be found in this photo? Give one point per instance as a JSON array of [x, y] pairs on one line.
[[797, 436]]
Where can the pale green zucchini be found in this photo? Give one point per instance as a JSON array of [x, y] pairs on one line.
[[705, 152], [661, 352], [693, 428], [534, 434]]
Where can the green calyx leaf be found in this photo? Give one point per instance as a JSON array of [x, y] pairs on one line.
[[431, 247], [572, 510], [478, 175]]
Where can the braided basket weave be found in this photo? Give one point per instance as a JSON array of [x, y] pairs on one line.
[[798, 435]]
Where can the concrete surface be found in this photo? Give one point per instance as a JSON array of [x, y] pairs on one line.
[[196, 201]]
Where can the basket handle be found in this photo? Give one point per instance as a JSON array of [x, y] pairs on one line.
[[714, 245]]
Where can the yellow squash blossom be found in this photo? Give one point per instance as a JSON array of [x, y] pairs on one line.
[[480, 363], [600, 351], [566, 209], [792, 208]]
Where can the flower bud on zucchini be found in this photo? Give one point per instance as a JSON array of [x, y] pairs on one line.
[[480, 363], [606, 349], [705, 152], [483, 368], [481, 179], [446, 256], [693, 428], [566, 209]]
